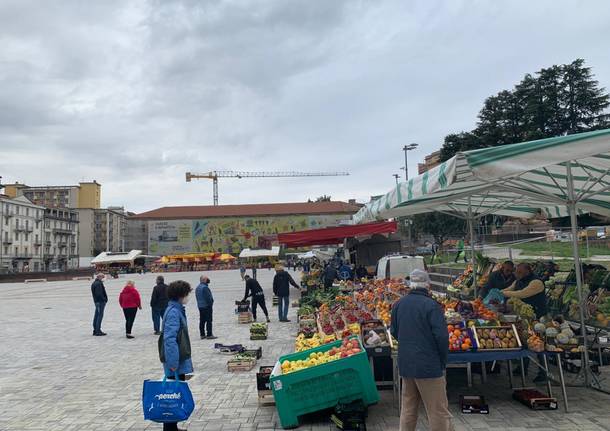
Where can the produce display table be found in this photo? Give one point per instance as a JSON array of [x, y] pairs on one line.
[[468, 358]]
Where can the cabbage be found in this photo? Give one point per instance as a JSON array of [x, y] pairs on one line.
[[551, 332]]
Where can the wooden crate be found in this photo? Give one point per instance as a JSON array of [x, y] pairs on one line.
[[275, 300], [245, 317], [265, 398], [241, 364]]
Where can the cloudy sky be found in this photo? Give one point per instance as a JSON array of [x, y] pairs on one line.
[[134, 94]]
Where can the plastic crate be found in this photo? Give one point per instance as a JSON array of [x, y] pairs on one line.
[[322, 386]]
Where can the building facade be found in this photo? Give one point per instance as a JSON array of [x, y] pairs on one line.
[[231, 228], [61, 231], [21, 235], [430, 161], [83, 195], [137, 234], [102, 229]]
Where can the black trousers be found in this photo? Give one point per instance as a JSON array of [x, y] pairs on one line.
[[130, 317], [173, 426], [205, 322], [260, 301]]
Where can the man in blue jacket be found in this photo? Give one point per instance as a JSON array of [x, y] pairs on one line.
[[100, 298], [418, 323], [205, 302]]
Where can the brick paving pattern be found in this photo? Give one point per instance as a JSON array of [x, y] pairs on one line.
[[55, 376]]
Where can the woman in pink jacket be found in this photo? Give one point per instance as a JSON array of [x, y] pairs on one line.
[[129, 300]]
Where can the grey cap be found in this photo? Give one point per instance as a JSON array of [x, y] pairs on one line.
[[419, 278]]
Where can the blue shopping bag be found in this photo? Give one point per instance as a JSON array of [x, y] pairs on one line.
[[167, 400]]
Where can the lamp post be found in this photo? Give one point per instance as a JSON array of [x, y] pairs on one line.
[[406, 149], [397, 177]]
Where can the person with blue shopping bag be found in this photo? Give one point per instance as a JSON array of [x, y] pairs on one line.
[[174, 343]]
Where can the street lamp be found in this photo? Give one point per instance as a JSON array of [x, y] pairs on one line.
[[406, 149], [397, 177]]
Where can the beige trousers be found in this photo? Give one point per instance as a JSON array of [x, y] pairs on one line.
[[433, 393]]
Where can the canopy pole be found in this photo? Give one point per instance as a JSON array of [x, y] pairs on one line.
[[473, 259], [577, 267]]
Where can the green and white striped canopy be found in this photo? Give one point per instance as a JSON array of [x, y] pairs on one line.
[[517, 180]]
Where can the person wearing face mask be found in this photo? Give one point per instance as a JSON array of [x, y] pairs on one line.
[[176, 341]]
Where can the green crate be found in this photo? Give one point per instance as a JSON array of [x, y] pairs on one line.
[[322, 386]]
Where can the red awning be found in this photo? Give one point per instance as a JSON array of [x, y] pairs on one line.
[[334, 235]]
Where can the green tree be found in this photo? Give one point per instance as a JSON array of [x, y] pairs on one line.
[[555, 101], [439, 225], [584, 101]]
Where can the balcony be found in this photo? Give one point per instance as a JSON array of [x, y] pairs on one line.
[[27, 229], [7, 241], [37, 242], [47, 243], [58, 231], [22, 255], [8, 214], [62, 245]]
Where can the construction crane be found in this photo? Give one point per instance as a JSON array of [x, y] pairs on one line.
[[214, 175]]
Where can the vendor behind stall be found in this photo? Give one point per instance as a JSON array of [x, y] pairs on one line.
[[530, 290], [500, 279]]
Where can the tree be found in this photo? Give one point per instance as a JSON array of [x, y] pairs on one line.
[[583, 99], [439, 225], [457, 142], [323, 198], [555, 101]]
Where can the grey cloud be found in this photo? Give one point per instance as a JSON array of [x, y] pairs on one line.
[[134, 94]]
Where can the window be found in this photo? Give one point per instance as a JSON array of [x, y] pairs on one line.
[[36, 239], [25, 251], [5, 249], [27, 235], [16, 251], [27, 211]]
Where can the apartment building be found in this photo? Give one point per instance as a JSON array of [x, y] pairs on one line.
[[60, 239], [136, 237], [430, 161], [21, 235], [101, 229], [83, 195]]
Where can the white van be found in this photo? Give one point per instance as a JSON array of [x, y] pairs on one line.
[[398, 266]]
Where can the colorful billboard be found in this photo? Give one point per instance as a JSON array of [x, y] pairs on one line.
[[226, 234]]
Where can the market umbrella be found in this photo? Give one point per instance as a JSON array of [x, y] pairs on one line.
[[226, 257], [560, 176]]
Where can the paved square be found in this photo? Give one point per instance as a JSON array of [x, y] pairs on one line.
[[55, 376]]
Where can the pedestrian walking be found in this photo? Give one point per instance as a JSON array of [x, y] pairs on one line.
[[205, 303], [100, 298], [242, 271], [434, 248], [460, 250], [254, 289], [281, 288], [130, 302], [158, 303], [176, 340], [418, 323]]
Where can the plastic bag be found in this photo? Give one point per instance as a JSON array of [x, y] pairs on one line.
[[167, 400]]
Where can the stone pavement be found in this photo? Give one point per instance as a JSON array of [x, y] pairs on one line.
[[55, 376]]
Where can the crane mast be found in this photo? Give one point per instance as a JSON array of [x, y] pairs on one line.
[[214, 175]]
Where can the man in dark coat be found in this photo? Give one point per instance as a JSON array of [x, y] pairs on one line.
[[254, 289], [205, 303], [158, 303], [418, 323], [100, 298], [281, 289], [330, 275]]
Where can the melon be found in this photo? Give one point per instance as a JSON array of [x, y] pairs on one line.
[[551, 332]]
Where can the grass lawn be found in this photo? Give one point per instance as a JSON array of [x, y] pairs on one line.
[[559, 249]]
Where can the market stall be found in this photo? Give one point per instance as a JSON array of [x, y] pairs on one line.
[[561, 176]]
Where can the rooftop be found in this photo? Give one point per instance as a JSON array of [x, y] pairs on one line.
[[305, 208]]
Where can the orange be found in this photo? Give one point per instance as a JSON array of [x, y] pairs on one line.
[[450, 328], [457, 332], [465, 346]]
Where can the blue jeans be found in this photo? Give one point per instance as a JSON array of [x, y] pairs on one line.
[[98, 316], [283, 302], [157, 315]]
